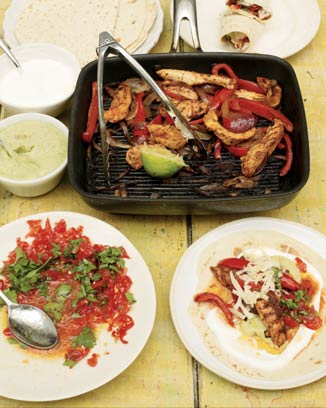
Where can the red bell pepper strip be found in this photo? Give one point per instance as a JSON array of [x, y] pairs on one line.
[[236, 151], [265, 111], [241, 83], [224, 67], [139, 123], [249, 86], [157, 120], [92, 116], [196, 121], [234, 263], [301, 264], [217, 301], [290, 283], [221, 96], [289, 155], [141, 113]]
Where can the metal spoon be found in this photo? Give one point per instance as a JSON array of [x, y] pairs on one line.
[[9, 53], [30, 325]]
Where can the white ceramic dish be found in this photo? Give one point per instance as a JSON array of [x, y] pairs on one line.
[[17, 6], [59, 91], [41, 185], [42, 379], [309, 366], [291, 28]]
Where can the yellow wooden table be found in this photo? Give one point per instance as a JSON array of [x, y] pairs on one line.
[[165, 375]]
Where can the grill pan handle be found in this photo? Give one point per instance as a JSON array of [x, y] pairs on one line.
[[108, 44], [185, 9]]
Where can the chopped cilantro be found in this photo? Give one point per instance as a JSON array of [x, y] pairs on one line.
[[69, 363], [56, 251], [86, 338], [63, 290], [73, 247], [54, 310], [277, 279], [111, 259], [130, 297], [289, 303]]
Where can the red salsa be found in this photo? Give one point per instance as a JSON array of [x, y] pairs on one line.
[[82, 286]]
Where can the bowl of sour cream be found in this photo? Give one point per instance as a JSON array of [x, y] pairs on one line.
[[44, 83], [33, 153]]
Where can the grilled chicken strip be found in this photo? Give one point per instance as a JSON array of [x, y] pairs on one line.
[[133, 157], [192, 109], [272, 90], [182, 91], [196, 78], [226, 136], [222, 274], [252, 96], [271, 314], [166, 135], [259, 152], [120, 104]]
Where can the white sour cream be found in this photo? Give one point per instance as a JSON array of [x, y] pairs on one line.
[[38, 82]]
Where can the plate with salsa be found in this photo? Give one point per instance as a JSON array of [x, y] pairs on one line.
[[91, 280]]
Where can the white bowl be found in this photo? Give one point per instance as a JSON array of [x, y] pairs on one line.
[[38, 186], [44, 85]]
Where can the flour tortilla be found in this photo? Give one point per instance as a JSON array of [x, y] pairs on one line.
[[134, 20], [314, 355], [236, 26], [265, 4], [76, 25]]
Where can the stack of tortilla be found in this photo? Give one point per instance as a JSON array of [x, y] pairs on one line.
[[240, 29], [76, 25]]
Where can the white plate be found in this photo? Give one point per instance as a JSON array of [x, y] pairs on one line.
[[184, 286], [17, 6], [292, 26], [31, 378]]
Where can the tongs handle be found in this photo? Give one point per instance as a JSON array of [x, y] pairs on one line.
[[185, 9], [108, 44]]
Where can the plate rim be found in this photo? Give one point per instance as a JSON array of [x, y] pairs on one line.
[[77, 218], [228, 373], [313, 30]]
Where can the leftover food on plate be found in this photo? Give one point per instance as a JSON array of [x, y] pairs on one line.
[[243, 23], [262, 305], [83, 286], [76, 25], [230, 114]]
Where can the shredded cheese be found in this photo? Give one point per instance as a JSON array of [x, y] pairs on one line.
[[258, 278]]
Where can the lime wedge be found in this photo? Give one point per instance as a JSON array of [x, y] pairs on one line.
[[160, 162]]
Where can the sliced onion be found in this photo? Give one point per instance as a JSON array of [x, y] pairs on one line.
[[138, 85]]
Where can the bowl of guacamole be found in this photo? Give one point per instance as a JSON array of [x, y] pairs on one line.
[[33, 153]]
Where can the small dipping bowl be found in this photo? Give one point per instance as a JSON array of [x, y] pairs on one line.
[[44, 83], [14, 132]]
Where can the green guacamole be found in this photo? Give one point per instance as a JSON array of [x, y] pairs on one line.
[[33, 149]]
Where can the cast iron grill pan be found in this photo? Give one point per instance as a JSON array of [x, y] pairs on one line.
[[194, 191]]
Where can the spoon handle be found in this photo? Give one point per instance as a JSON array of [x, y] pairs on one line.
[[7, 51], [5, 298]]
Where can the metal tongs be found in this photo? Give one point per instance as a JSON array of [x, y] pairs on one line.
[[107, 44], [184, 10]]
